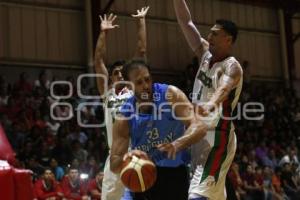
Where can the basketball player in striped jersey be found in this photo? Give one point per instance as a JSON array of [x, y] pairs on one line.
[[216, 91], [112, 188]]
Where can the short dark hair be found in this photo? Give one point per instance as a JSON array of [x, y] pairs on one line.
[[229, 27], [114, 65], [134, 64], [73, 167]]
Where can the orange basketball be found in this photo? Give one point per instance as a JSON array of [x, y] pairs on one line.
[[138, 174]]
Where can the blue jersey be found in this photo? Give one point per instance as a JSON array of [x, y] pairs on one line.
[[149, 130]]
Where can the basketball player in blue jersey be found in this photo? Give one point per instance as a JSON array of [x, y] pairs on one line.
[[156, 114], [112, 188], [216, 91]]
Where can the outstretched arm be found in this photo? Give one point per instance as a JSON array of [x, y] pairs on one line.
[[192, 35], [142, 33], [184, 111], [100, 52], [227, 83]]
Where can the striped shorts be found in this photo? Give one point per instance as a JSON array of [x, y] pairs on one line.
[[211, 160]]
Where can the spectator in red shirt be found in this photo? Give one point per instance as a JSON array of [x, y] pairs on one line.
[[47, 188], [72, 187], [94, 187], [252, 188], [259, 178]]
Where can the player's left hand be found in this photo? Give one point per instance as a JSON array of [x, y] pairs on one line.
[[141, 13], [169, 148], [135, 152]]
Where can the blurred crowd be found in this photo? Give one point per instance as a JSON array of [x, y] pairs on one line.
[[266, 164], [267, 159], [26, 112]]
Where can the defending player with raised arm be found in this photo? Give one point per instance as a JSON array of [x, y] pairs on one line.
[[142, 33], [219, 45], [216, 91], [100, 51], [114, 94]]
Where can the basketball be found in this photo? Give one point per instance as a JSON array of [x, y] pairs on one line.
[[138, 174]]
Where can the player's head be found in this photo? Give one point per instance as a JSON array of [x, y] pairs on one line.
[[222, 36], [286, 167], [235, 166], [137, 71], [47, 175], [115, 71], [73, 174], [250, 169], [53, 163]]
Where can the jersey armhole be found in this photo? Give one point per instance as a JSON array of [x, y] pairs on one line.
[[205, 55]]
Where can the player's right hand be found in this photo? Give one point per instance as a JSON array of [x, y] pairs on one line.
[[107, 22]]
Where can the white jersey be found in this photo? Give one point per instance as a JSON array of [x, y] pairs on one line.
[[207, 81], [112, 187], [112, 103], [212, 156]]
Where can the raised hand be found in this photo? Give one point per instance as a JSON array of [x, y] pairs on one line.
[[107, 23], [141, 13]]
